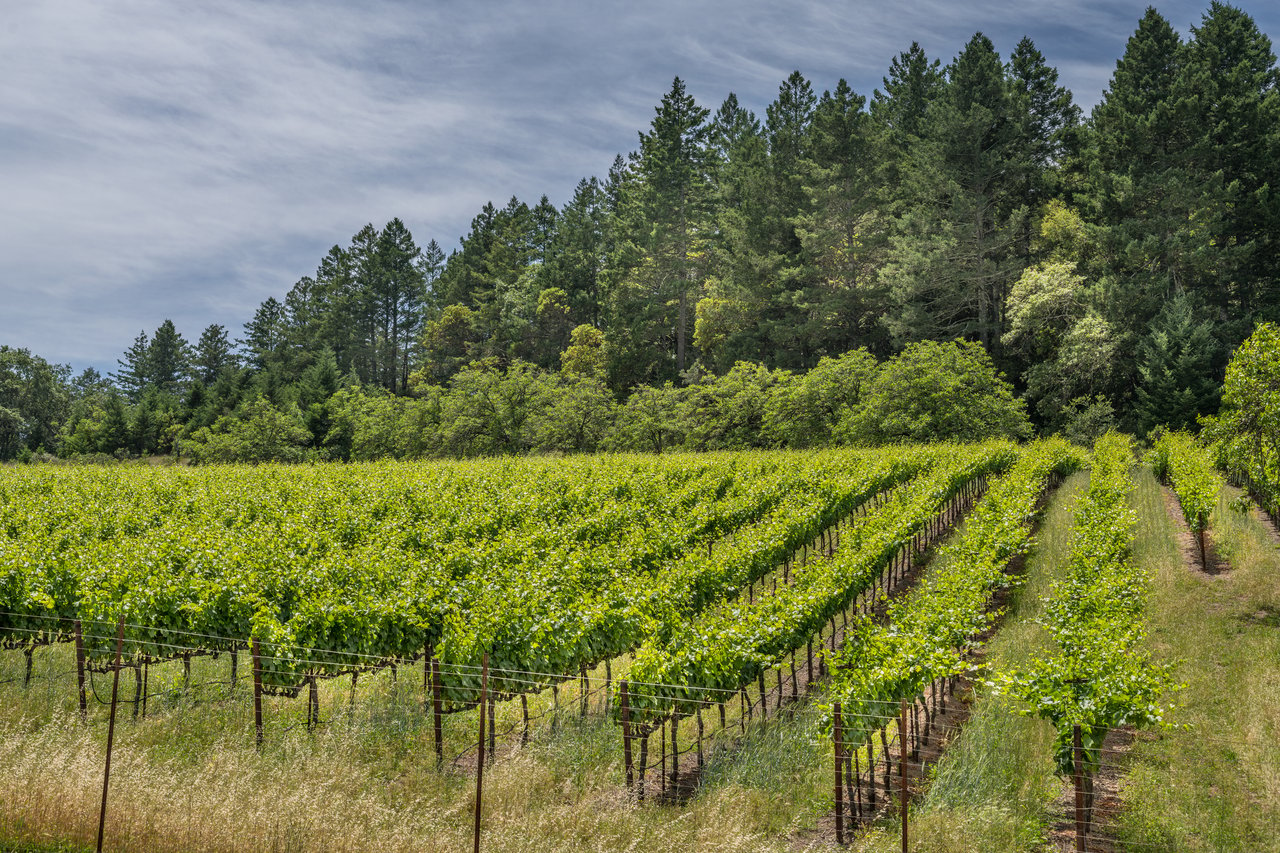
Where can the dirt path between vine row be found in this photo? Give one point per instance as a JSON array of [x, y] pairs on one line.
[[1216, 564]]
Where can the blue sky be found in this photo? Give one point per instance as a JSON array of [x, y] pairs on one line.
[[187, 160]]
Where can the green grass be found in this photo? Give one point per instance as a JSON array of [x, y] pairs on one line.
[[1213, 784]]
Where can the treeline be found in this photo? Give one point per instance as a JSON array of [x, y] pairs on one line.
[[1107, 264], [928, 392]]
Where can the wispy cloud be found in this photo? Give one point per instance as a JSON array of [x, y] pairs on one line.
[[188, 160]]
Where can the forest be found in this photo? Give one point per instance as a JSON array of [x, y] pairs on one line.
[[960, 254]]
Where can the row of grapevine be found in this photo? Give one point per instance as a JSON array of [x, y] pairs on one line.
[[547, 566], [228, 551], [926, 633], [1179, 461], [733, 645], [1097, 676]]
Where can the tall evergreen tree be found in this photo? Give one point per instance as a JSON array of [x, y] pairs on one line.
[[213, 354], [1228, 99], [953, 259], [134, 371], [400, 298], [168, 359], [666, 210]]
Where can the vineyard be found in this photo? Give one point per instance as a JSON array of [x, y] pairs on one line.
[[669, 615]]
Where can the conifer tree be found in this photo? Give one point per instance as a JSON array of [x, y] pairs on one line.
[[168, 359], [134, 373], [213, 354]]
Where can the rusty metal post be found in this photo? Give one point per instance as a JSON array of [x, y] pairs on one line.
[[644, 766], [1078, 762], [257, 690], [437, 711], [84, 703], [493, 728], [837, 738], [902, 768], [675, 754], [111, 732], [484, 689], [699, 740], [626, 733]]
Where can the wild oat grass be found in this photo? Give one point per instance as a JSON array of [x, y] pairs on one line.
[[189, 778]]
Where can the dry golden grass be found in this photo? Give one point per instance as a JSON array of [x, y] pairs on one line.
[[189, 778]]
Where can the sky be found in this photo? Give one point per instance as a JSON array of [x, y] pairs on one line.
[[185, 161]]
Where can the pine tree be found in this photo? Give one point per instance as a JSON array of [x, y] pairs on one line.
[[213, 354], [666, 208], [168, 359], [1178, 369], [953, 258], [1228, 99], [134, 374], [115, 432], [265, 335], [1048, 116], [1141, 191], [401, 297]]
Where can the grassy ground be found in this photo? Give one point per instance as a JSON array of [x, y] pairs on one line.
[[1214, 785], [189, 778], [991, 787]]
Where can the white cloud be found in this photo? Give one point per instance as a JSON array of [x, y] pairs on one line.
[[188, 160]]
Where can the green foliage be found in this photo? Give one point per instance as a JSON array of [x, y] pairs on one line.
[[262, 433], [1176, 369], [1246, 433], [937, 391], [1180, 462], [689, 661], [34, 401], [922, 639], [1097, 677]]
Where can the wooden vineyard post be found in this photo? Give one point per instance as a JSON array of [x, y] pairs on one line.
[[662, 759], [902, 768], [1078, 767], [837, 738], [484, 690], [257, 690], [626, 733], [111, 732], [437, 711], [84, 703], [146, 673], [313, 704], [586, 688]]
